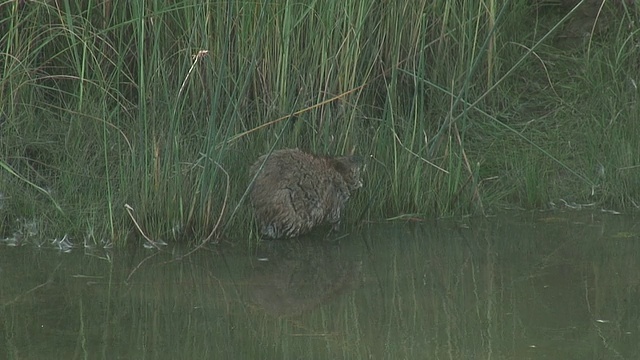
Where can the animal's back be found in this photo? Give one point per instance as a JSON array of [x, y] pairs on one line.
[[295, 191]]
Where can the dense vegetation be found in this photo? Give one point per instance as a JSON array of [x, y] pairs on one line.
[[124, 118]]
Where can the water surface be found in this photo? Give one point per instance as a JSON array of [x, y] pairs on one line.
[[557, 285]]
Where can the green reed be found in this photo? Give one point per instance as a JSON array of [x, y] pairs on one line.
[[134, 120]]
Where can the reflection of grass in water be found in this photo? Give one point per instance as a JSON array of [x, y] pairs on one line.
[[470, 293], [436, 290], [625, 235]]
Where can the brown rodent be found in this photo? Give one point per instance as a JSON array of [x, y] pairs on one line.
[[295, 191]]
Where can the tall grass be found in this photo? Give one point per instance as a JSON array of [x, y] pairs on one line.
[[461, 107]]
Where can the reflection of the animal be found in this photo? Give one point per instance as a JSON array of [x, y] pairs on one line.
[[296, 277]]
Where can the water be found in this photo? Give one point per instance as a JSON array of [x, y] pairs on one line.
[[526, 286]]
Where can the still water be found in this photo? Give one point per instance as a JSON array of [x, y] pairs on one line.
[[557, 285]]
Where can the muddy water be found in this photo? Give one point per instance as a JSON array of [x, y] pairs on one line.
[[519, 286]]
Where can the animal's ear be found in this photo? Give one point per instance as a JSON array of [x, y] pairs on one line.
[[344, 164], [356, 161], [339, 165]]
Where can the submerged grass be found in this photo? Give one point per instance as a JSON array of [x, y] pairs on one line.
[[461, 107]]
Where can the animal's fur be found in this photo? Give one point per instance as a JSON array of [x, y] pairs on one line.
[[295, 191]]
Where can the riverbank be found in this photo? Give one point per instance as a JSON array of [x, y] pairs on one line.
[[121, 123]]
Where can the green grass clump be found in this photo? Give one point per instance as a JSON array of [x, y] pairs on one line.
[[130, 120]]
